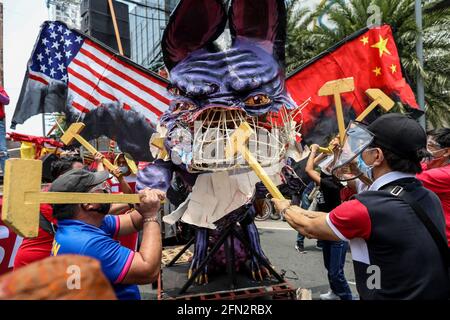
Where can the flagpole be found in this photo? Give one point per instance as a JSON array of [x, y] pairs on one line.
[[419, 52], [116, 31], [116, 28]]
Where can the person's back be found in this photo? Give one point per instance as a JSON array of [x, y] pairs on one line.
[[409, 262], [98, 243]]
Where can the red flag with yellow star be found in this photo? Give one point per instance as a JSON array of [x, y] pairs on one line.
[[370, 56]]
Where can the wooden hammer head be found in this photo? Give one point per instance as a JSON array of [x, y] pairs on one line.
[[74, 129], [239, 138], [21, 177], [337, 86], [382, 99]]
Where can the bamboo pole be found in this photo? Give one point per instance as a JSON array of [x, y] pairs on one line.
[[116, 28]]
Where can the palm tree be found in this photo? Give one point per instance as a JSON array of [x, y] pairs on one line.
[[307, 38]]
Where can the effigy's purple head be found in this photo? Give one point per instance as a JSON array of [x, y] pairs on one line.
[[222, 87]]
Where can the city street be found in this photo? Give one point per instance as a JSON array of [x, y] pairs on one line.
[[301, 270]]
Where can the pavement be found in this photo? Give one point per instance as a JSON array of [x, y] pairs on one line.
[[305, 270], [300, 270]]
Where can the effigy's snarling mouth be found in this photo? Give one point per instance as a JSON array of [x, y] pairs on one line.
[[210, 133]]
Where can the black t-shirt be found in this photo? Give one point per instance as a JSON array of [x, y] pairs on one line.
[[330, 189]]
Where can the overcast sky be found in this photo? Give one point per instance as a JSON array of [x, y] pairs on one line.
[[21, 22]]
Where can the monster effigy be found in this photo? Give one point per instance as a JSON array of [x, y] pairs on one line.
[[216, 85]]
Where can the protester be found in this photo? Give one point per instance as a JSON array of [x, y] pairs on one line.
[[334, 252], [305, 204], [394, 253], [38, 248], [119, 184], [128, 169], [4, 100], [87, 229], [436, 174]]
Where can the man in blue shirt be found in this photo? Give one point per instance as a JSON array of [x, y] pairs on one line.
[[86, 229]]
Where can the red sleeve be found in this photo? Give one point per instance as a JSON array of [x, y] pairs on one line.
[[350, 220], [436, 180], [4, 98]]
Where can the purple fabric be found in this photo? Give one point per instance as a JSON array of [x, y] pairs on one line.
[[4, 98], [193, 25], [262, 20], [157, 175], [226, 79]]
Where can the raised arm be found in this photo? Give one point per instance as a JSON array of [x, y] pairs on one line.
[[313, 174], [146, 263], [310, 224]]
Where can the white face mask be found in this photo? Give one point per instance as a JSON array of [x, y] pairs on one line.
[[365, 169], [437, 155], [124, 169]]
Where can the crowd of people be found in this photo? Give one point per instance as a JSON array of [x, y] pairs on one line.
[[108, 233], [372, 198]]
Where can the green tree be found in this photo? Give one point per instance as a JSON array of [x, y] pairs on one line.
[[307, 38]]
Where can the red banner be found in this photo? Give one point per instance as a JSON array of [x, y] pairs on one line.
[[370, 56]]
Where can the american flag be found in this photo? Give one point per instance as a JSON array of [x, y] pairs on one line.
[[93, 74]]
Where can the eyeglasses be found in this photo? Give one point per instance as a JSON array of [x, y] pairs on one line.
[[433, 144], [102, 187]]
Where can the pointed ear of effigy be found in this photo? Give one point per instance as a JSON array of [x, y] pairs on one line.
[[194, 24], [263, 21]]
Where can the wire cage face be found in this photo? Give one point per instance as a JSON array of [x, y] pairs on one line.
[[201, 144]]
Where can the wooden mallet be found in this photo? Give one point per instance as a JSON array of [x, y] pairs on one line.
[[73, 133], [379, 99], [335, 88], [238, 141], [22, 196]]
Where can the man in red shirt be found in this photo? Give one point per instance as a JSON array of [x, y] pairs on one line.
[[436, 174], [394, 254], [4, 100]]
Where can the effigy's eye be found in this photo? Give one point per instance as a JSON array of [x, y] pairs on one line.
[[257, 100]]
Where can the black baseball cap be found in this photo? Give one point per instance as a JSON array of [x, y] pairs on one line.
[[400, 135], [78, 180]]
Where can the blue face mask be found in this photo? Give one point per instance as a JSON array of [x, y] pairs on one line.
[[364, 168]]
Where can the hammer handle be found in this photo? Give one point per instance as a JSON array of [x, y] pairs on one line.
[[253, 163], [339, 116], [326, 150], [74, 197], [366, 111], [92, 150]]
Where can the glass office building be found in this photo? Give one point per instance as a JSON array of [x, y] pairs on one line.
[[67, 11], [147, 23]]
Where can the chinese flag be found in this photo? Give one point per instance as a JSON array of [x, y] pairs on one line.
[[369, 56]]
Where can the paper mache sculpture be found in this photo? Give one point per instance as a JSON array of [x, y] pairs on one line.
[[219, 79]]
